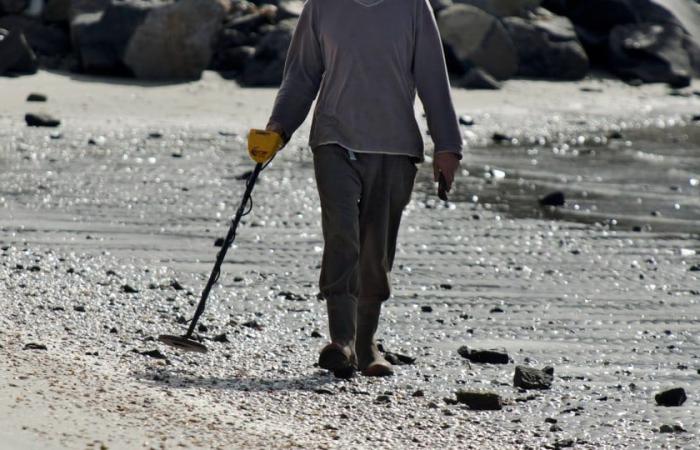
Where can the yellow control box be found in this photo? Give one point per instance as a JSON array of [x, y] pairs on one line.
[[263, 144]]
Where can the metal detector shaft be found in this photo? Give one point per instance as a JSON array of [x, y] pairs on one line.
[[230, 236]]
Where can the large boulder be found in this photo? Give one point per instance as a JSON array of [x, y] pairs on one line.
[[46, 40], [175, 42], [16, 57], [475, 38], [503, 8], [267, 65], [652, 53], [13, 6], [548, 48], [595, 20], [100, 38]]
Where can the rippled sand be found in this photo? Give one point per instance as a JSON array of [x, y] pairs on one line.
[[613, 310]]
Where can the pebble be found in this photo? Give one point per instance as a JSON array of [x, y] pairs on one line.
[[491, 356], [553, 199], [671, 397], [128, 289], [156, 354], [34, 346], [36, 97], [480, 401], [41, 120], [531, 378]]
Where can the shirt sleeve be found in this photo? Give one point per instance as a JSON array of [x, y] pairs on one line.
[[432, 83], [303, 70]]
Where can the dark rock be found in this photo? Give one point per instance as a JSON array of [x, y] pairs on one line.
[[446, 286], [324, 391], [176, 285], [128, 289], [13, 6], [316, 334], [253, 324], [504, 8], [16, 57], [553, 199], [41, 120], [563, 443], [653, 53], [50, 43], [267, 66], [671, 397], [474, 38], [676, 428], [175, 41], [547, 48], [496, 310], [418, 393], [530, 378], [291, 296], [35, 97], [100, 38], [492, 356], [480, 401], [477, 78], [79, 308], [501, 138], [398, 359], [695, 268], [233, 59], [34, 346], [202, 328], [221, 338], [382, 399], [219, 242], [467, 121], [156, 354], [426, 309]]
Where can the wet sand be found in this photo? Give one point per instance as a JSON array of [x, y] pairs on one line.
[[613, 310]]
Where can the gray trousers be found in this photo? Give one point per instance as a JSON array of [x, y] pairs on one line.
[[362, 199]]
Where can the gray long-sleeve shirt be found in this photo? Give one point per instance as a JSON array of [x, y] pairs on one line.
[[369, 58]]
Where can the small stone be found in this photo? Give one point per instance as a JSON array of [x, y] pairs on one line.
[[382, 399], [252, 324], [79, 308], [501, 138], [398, 359], [480, 401], [418, 393], [446, 286], [41, 120], [316, 334], [676, 428], [550, 420], [219, 242], [530, 378], [34, 346], [324, 391], [490, 356], [496, 309], [426, 309], [176, 285], [156, 354], [128, 289], [553, 199], [695, 268], [671, 397], [467, 121], [155, 135], [36, 97], [221, 338], [202, 328]]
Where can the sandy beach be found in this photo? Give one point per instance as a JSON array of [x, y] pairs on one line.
[[108, 225]]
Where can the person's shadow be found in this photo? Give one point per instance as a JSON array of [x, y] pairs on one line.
[[320, 383]]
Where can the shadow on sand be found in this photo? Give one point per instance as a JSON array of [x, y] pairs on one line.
[[319, 383]]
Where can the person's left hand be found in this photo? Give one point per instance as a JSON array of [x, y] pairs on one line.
[[446, 163]]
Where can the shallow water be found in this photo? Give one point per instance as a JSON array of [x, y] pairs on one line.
[[643, 180]]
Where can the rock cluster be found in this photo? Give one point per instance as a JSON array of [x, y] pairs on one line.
[[485, 41]]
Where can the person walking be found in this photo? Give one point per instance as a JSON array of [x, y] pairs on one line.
[[366, 59]]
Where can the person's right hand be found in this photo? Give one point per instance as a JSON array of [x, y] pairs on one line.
[[264, 144], [277, 128]]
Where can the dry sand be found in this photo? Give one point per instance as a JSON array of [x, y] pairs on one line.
[[613, 311]]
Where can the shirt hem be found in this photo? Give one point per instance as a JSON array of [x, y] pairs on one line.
[[357, 150]]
